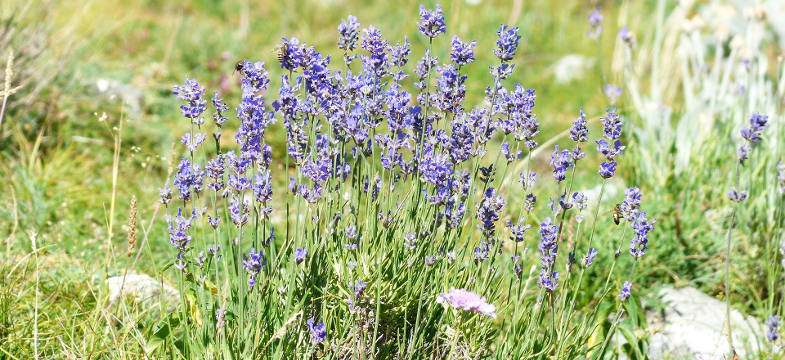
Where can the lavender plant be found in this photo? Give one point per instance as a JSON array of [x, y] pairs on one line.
[[373, 240]]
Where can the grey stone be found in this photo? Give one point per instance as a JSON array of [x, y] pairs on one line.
[[571, 67], [692, 324], [132, 97], [143, 290]]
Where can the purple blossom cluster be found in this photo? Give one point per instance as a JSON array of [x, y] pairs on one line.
[[507, 43], [773, 324], [610, 146], [192, 94], [371, 152], [461, 53], [626, 291], [595, 21], [318, 331], [431, 22], [548, 250], [641, 227], [751, 135]]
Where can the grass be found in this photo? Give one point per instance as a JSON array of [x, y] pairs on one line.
[[74, 170], [155, 51]]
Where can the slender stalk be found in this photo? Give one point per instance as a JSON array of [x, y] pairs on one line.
[[597, 212], [731, 349]]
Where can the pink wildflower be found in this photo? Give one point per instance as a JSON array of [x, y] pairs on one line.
[[467, 300]]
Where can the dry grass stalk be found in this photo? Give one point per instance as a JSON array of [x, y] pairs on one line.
[[132, 227], [7, 90]]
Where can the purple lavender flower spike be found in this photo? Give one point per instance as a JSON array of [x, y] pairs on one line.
[[192, 142], [318, 331], [165, 194], [589, 258], [611, 124], [191, 92], [349, 31], [291, 54], [518, 230], [300, 254], [462, 53], [358, 287], [579, 132], [188, 178], [736, 195], [580, 200], [252, 263], [612, 92], [757, 125], [179, 226], [548, 250], [595, 20], [641, 226], [220, 109], [488, 210], [626, 35], [773, 324], [607, 169], [626, 291], [450, 90], [560, 162], [399, 54], [631, 203], [431, 22], [743, 153], [507, 43]]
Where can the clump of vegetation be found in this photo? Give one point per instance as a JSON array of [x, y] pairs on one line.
[[395, 199], [392, 196]]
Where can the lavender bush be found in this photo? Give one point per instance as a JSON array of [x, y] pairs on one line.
[[391, 228]]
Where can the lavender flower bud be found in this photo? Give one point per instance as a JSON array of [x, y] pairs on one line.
[[191, 92], [773, 323], [626, 290], [579, 132], [318, 331], [736, 195], [641, 226], [431, 22], [589, 258], [300, 254], [462, 53], [595, 20], [348, 29], [607, 169], [757, 125], [507, 43], [612, 92], [252, 263]]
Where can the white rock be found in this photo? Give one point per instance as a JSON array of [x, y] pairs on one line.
[[693, 324], [571, 67], [611, 193], [144, 289], [132, 97]]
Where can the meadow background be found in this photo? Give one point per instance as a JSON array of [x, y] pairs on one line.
[[92, 122]]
